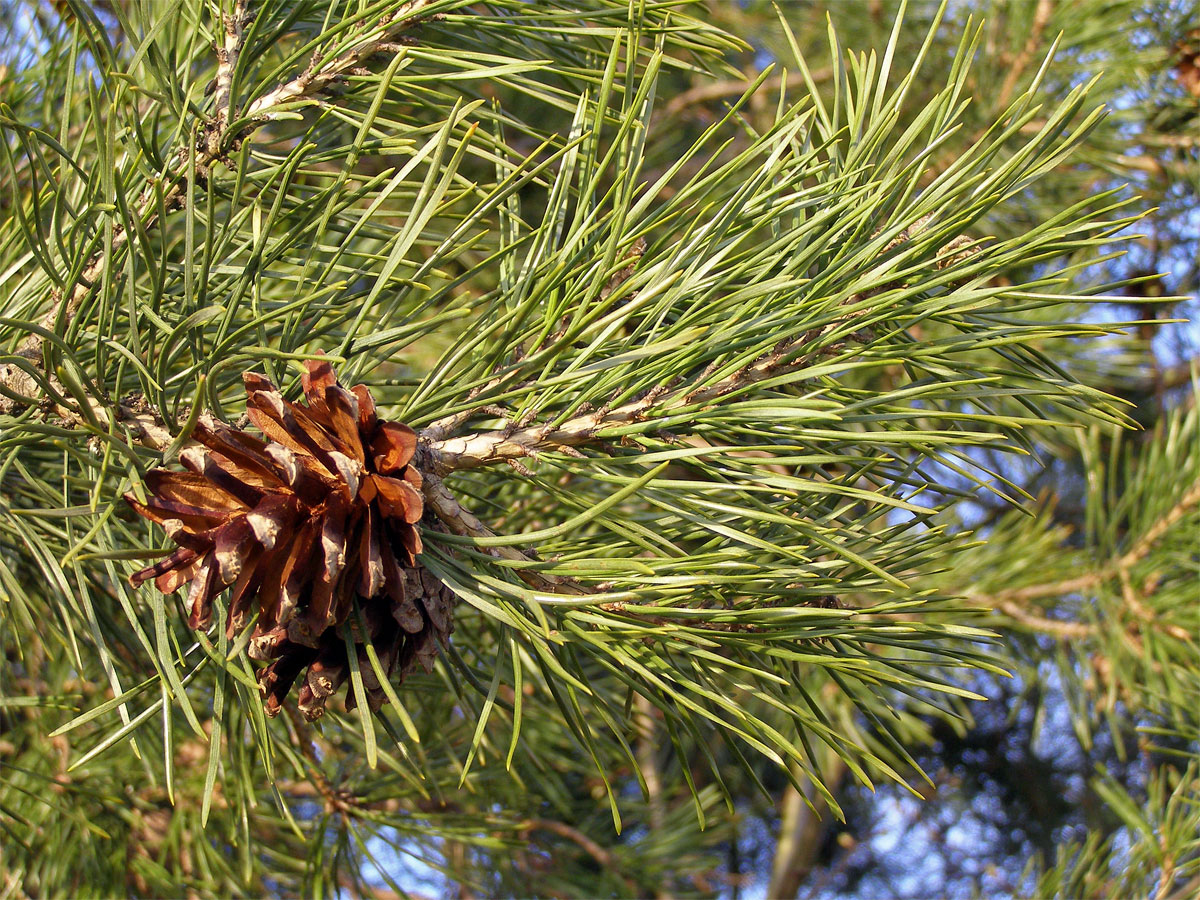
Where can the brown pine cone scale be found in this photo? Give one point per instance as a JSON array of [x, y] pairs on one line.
[[319, 516]]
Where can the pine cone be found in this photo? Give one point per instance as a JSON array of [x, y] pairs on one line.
[[300, 525]]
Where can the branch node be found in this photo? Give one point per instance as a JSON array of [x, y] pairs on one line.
[[520, 468]]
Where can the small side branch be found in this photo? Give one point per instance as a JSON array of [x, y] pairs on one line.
[[461, 521], [18, 389], [1041, 17], [323, 74], [1014, 602], [589, 846], [227, 59], [723, 90]]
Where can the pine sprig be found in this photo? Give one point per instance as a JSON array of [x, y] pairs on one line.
[[742, 374]]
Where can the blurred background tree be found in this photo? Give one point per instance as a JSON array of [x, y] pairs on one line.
[[894, 245]]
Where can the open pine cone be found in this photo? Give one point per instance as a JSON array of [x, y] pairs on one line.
[[322, 512]]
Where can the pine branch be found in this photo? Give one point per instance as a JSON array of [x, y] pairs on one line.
[[440, 456], [227, 58], [802, 828], [1041, 18], [19, 388], [446, 455], [720, 90], [1014, 602], [463, 522], [1063, 631], [603, 857], [324, 74]]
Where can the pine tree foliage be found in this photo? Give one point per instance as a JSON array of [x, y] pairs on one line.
[[731, 424], [1162, 852]]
